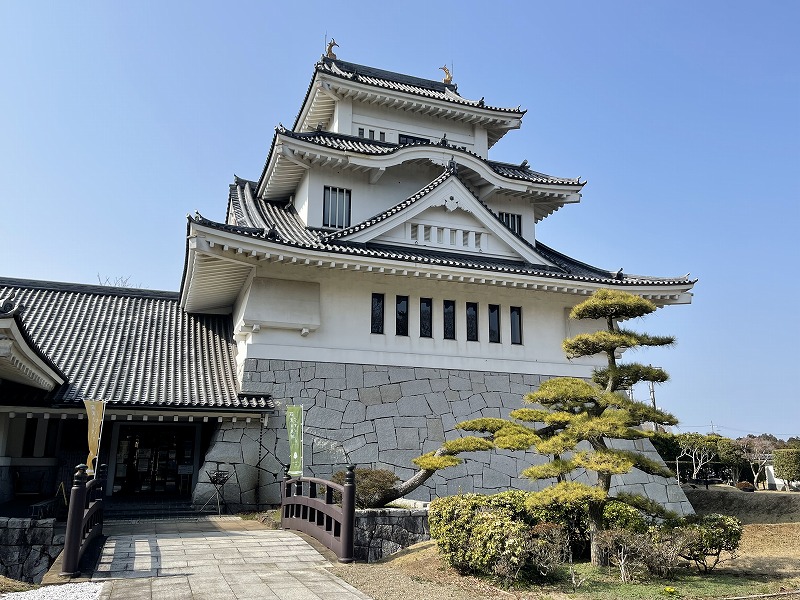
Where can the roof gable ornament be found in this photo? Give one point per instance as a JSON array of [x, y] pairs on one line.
[[329, 51], [448, 77], [8, 308]]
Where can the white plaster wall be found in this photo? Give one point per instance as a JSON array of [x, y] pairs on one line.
[[344, 331], [518, 206], [394, 122]]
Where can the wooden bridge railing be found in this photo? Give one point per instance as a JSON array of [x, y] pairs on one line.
[[307, 505], [84, 518]]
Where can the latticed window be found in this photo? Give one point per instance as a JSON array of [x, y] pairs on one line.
[[336, 208], [377, 313], [449, 317], [401, 315], [513, 221], [472, 321], [494, 323], [516, 324], [426, 317]]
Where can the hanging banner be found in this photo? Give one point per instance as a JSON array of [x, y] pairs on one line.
[[294, 425], [95, 410]]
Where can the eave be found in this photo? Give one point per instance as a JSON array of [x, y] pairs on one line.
[[22, 362], [327, 90], [290, 158], [211, 248]]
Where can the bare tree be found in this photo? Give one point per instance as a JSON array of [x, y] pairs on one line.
[[757, 451], [119, 281]]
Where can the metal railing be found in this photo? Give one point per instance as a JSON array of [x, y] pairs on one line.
[[308, 505], [84, 517]]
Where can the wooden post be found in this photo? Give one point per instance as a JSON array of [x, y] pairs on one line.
[[74, 533], [99, 496], [348, 515]]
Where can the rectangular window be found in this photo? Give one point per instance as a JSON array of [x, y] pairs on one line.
[[372, 134], [426, 317], [494, 323], [516, 324], [411, 139], [383, 136], [513, 221], [401, 315], [336, 208], [360, 132], [449, 316], [472, 321], [377, 313]]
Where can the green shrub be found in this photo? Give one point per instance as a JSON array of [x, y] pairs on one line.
[[371, 485], [494, 535], [787, 464], [618, 515], [714, 535]]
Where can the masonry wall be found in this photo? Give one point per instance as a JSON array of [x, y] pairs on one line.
[[382, 417]]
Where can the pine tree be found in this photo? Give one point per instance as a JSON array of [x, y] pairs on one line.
[[574, 411]]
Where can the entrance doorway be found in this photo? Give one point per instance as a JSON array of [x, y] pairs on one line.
[[155, 460]]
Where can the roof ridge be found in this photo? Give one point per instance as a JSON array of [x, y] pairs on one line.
[[96, 289]]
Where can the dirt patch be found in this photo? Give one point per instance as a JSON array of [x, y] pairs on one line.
[[749, 507]]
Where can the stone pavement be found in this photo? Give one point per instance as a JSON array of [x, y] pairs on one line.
[[215, 558]]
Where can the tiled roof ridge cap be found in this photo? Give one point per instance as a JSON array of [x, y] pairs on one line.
[[448, 91], [86, 288]]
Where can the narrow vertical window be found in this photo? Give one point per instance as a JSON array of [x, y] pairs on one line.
[[494, 323], [516, 324], [449, 316], [472, 321], [377, 313], [372, 134], [336, 207], [360, 132], [383, 136], [401, 315], [426, 317]]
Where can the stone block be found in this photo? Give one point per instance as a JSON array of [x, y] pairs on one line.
[[365, 456], [417, 387], [369, 396], [354, 375], [335, 383], [354, 412], [459, 383], [504, 464], [387, 435], [438, 403], [400, 374], [493, 480], [319, 416], [423, 373], [354, 443], [225, 452], [413, 406], [476, 403], [336, 404], [307, 373], [378, 411], [250, 364], [282, 376], [375, 378], [398, 458], [263, 365], [407, 438], [417, 422], [497, 383], [330, 370], [390, 392], [439, 385], [361, 428]]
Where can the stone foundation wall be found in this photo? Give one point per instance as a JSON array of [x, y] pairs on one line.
[[382, 532], [28, 548], [382, 417]]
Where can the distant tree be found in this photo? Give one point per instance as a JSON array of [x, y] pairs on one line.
[[701, 449], [120, 281], [731, 456], [757, 451], [786, 462]]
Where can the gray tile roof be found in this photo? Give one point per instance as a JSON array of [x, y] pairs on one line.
[[390, 80], [134, 348], [348, 143], [290, 231]]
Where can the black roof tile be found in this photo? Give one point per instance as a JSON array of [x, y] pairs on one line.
[[135, 348]]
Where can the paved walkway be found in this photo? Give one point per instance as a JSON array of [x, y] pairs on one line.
[[218, 558]]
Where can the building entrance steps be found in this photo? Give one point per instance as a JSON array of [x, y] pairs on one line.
[[213, 558]]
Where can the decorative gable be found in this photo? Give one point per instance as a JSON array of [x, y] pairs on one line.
[[445, 216]]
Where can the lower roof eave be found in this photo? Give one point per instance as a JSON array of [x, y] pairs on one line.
[[139, 413]]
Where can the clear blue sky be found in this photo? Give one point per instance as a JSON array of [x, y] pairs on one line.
[[117, 119]]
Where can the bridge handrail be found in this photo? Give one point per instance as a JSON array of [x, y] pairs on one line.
[[84, 519], [319, 517]]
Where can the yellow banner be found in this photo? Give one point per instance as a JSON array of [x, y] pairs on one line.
[[95, 410]]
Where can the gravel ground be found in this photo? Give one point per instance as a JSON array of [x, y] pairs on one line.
[[69, 591]]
